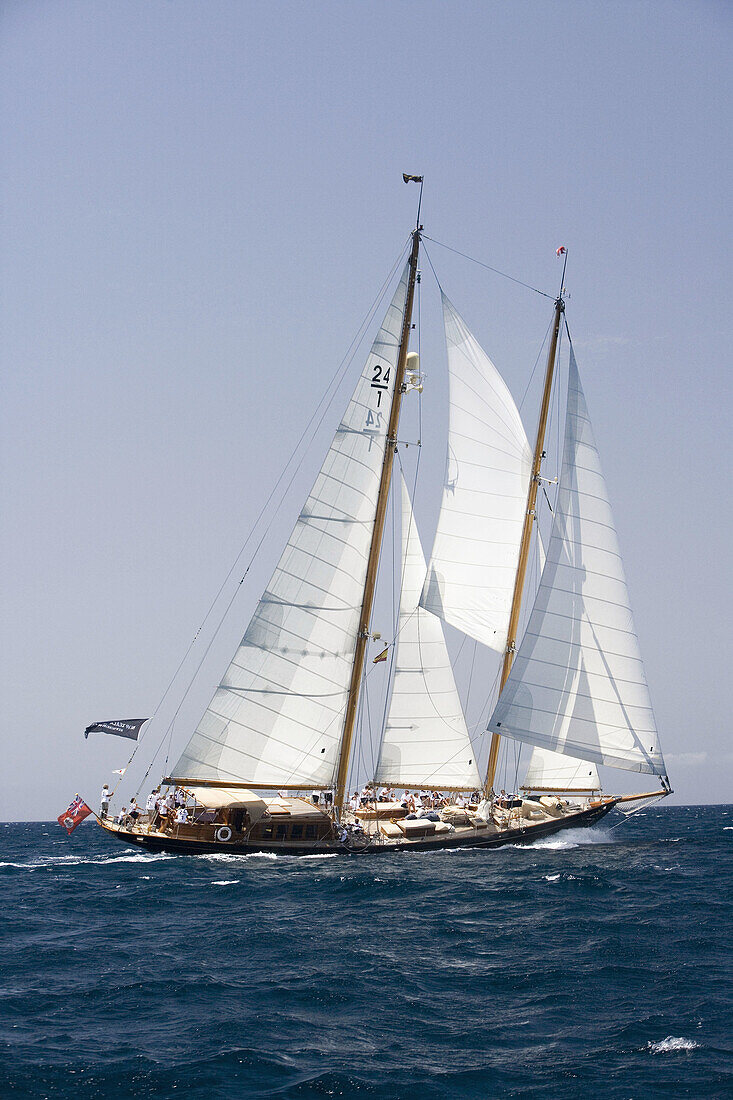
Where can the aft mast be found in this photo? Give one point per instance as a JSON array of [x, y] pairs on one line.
[[378, 532], [529, 518]]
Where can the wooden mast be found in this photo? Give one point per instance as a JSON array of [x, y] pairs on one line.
[[534, 483], [376, 544]]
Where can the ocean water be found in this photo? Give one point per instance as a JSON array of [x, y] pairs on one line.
[[593, 964]]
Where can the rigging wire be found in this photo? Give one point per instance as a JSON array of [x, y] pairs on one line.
[[488, 267]]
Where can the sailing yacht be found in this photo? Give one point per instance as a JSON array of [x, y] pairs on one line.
[[267, 767]]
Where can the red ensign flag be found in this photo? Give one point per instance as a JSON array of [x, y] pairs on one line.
[[75, 814]]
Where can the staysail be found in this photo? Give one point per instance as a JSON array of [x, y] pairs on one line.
[[549, 771], [577, 685], [473, 564], [426, 742], [276, 717]]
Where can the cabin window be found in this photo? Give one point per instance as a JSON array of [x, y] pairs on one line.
[[310, 832], [296, 832], [266, 832], [282, 831]]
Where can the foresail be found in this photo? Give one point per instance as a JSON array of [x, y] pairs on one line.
[[277, 716], [549, 771], [473, 565], [577, 685], [426, 742]]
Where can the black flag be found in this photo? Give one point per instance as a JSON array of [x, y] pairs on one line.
[[411, 179], [126, 727]]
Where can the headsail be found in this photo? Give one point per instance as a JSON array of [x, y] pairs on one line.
[[277, 716], [426, 741], [549, 771], [473, 564], [577, 685]]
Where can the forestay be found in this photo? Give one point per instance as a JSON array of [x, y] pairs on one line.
[[277, 716], [552, 772], [426, 742], [577, 685], [473, 565]]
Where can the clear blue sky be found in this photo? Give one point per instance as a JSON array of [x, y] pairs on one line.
[[199, 202]]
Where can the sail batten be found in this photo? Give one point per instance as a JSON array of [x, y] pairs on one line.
[[277, 716], [425, 739], [470, 576], [577, 686]]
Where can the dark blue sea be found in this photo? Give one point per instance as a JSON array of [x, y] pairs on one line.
[[594, 964]]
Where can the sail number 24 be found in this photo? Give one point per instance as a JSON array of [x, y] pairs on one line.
[[380, 384]]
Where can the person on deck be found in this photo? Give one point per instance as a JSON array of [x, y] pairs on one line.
[[163, 812], [182, 816], [104, 800], [134, 811]]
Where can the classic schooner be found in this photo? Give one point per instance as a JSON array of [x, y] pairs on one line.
[[267, 765]]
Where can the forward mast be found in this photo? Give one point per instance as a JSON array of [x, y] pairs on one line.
[[377, 533]]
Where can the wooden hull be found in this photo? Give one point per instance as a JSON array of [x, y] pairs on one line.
[[461, 838]]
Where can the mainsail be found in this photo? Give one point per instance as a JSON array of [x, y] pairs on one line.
[[426, 742], [276, 717], [473, 564], [549, 771], [577, 685]]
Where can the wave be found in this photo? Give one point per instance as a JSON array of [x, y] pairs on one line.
[[61, 862], [572, 838], [671, 1044]]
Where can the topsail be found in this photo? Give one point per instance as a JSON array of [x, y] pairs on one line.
[[473, 564]]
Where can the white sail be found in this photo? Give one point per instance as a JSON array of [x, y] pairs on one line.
[[473, 565], [577, 685], [549, 771], [426, 742], [277, 716]]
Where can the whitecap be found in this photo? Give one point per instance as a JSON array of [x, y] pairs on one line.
[[572, 838], [670, 1044], [226, 882], [236, 857], [551, 878]]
